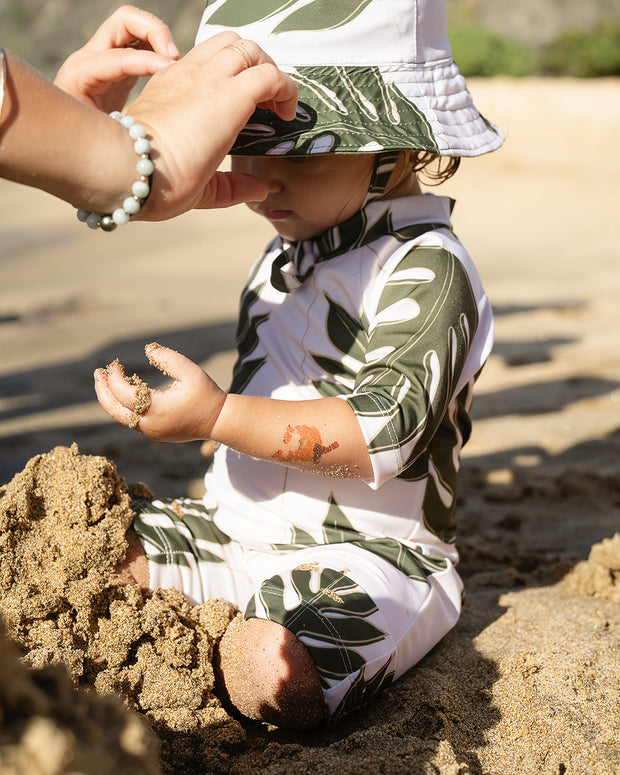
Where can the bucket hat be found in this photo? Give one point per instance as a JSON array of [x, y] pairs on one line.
[[373, 75]]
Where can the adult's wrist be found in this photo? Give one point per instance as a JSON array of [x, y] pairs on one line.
[[79, 154], [132, 200]]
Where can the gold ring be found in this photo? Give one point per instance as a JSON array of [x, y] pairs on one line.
[[247, 59]]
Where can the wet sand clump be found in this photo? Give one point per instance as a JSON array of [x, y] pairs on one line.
[[142, 400], [599, 575], [63, 521], [48, 727]]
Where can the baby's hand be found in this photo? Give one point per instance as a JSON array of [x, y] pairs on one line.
[[129, 44], [186, 411]]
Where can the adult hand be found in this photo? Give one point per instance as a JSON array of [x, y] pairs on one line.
[[186, 411], [129, 44], [193, 110]]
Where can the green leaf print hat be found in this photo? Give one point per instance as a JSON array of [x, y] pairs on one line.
[[373, 76]]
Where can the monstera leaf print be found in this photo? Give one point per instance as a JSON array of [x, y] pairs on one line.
[[238, 13], [336, 526], [358, 108], [338, 529], [202, 529], [409, 560], [362, 690], [345, 331], [329, 609], [348, 336], [318, 15], [247, 341], [323, 15]]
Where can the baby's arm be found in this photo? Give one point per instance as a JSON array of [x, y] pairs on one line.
[[320, 436]]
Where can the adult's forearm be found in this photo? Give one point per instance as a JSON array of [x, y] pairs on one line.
[[53, 142]]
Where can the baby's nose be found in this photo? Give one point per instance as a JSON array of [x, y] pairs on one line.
[[266, 170]]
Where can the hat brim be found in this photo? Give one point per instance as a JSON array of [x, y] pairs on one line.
[[372, 109]]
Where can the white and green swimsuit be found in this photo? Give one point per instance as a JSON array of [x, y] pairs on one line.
[[387, 312]]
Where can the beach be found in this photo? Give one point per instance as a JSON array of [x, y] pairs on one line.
[[529, 680]]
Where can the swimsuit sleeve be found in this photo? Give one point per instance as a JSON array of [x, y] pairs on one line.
[[419, 337]]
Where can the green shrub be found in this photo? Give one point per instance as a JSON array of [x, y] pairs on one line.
[[585, 53], [480, 51]]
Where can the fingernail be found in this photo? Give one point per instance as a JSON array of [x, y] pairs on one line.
[[173, 51]]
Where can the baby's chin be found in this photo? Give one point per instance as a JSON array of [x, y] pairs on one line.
[[294, 232]]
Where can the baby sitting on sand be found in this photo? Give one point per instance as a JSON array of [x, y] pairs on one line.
[[329, 514]]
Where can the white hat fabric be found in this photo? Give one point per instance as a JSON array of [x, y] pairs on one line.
[[373, 75]]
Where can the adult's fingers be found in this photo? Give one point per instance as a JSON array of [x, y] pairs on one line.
[[114, 65], [261, 82], [129, 24], [231, 188], [266, 84], [270, 87], [231, 52], [204, 51]]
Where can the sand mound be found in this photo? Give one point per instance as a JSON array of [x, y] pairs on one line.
[[63, 521], [528, 682], [599, 575], [48, 727], [62, 533]]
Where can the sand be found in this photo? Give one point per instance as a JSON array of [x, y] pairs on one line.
[[528, 681], [62, 535], [48, 726]]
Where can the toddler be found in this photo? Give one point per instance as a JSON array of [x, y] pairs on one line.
[[329, 509]]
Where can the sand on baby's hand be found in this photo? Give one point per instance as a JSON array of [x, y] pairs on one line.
[[142, 400], [152, 361]]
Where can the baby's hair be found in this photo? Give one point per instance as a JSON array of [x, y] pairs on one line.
[[435, 169]]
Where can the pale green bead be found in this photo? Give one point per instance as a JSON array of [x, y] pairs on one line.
[[131, 206], [141, 146], [120, 217], [141, 189], [116, 115], [136, 131], [145, 167], [128, 121]]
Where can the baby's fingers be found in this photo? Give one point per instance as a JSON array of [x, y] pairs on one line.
[[170, 362], [112, 404], [123, 389]]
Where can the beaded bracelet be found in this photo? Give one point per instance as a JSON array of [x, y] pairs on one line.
[[140, 189]]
